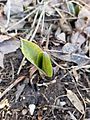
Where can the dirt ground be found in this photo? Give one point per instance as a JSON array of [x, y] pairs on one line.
[[46, 96]]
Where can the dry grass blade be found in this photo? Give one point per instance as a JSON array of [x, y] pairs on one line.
[[39, 20], [21, 20], [33, 24], [58, 64], [47, 42], [89, 48], [57, 10], [81, 1], [21, 64], [1, 59], [72, 116], [8, 13], [43, 18]]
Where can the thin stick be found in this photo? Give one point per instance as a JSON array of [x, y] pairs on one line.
[[58, 64], [33, 24], [84, 3], [47, 42], [34, 33], [56, 51], [67, 18], [42, 29], [89, 46], [34, 21], [12, 69], [21, 64], [11, 86], [81, 67], [57, 10], [8, 13]]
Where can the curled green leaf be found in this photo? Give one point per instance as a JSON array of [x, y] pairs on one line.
[[37, 57], [46, 64], [77, 9], [30, 50]]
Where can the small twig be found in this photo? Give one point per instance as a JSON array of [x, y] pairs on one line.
[[57, 10], [84, 3], [11, 86], [89, 47], [54, 104], [43, 19], [20, 67], [46, 84], [56, 51], [56, 4], [34, 21], [34, 33], [47, 42], [12, 69], [75, 68], [8, 13], [58, 64], [60, 107], [81, 67], [67, 18], [32, 26], [67, 12], [83, 87], [45, 98]]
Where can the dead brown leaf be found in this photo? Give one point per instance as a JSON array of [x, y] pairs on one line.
[[6, 47], [79, 59], [75, 101], [9, 46], [69, 48], [78, 39], [60, 36], [83, 19], [13, 6]]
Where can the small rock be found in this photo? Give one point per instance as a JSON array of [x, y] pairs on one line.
[[24, 111], [32, 108]]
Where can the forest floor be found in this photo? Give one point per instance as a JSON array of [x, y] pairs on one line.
[[62, 29]]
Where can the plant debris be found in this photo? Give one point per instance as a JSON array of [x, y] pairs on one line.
[[59, 33]]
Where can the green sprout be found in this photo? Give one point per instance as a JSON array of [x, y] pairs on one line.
[[37, 57]]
